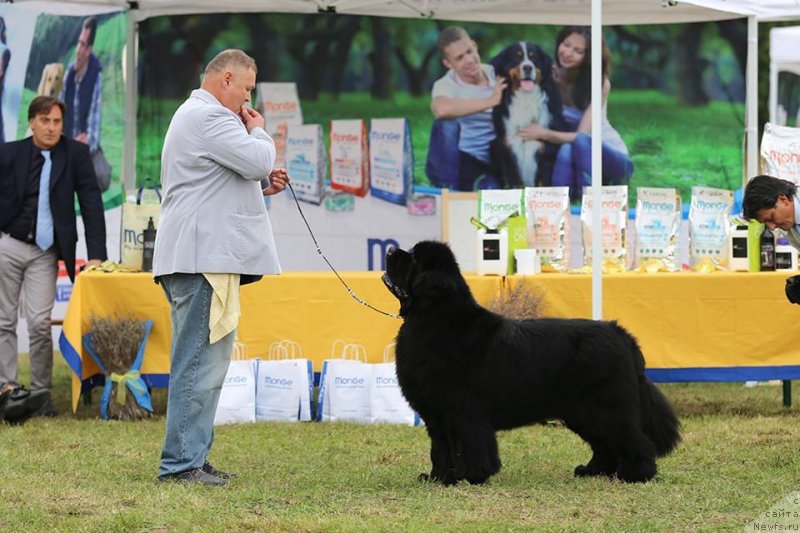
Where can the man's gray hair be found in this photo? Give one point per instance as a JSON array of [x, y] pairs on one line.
[[231, 59]]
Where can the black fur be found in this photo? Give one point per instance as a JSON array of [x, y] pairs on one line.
[[469, 372], [507, 64]]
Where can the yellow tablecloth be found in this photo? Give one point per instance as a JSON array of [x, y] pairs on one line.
[[722, 326], [312, 308]]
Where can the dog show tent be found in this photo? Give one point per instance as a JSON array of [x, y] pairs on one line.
[[585, 12]]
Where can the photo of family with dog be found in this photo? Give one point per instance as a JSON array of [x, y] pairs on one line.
[[521, 120]]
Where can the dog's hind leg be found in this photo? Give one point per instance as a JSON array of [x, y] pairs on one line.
[[636, 455], [602, 463]]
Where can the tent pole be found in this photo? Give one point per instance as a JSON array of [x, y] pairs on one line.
[[129, 150], [597, 161], [751, 121]]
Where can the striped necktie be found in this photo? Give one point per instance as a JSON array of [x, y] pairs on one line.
[[44, 218]]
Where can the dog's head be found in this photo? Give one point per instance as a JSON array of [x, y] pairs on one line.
[[52, 80], [425, 277], [525, 65]]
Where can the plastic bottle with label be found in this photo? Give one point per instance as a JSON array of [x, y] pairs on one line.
[[148, 246], [738, 249], [785, 255], [767, 250]]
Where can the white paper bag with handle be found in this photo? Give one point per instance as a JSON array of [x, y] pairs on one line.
[[344, 386], [283, 384], [237, 401], [387, 404]]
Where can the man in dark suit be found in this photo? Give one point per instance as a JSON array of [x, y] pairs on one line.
[[36, 230]]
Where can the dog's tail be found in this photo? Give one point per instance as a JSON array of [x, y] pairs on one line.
[[659, 421]]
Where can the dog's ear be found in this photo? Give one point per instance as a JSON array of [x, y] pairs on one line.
[[433, 284], [43, 81]]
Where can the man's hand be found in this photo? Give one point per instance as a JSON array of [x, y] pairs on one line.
[[499, 86], [278, 179], [82, 137], [93, 263], [251, 118]]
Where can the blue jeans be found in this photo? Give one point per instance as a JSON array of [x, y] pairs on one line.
[[197, 372], [450, 168], [573, 167]]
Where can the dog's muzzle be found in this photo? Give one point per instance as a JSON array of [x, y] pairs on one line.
[[394, 289]]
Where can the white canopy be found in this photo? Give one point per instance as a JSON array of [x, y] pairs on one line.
[[496, 11]]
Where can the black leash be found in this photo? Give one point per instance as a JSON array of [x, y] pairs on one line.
[[319, 251]]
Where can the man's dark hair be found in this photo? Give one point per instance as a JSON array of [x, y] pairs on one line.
[[762, 192], [448, 36], [43, 105], [91, 25]]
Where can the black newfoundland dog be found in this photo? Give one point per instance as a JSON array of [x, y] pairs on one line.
[[469, 372]]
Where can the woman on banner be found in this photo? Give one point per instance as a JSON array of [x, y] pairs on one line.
[[572, 73]]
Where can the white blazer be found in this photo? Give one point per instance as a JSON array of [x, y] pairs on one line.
[[213, 218]]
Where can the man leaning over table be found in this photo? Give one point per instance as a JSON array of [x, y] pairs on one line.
[[214, 235], [39, 178], [773, 202]]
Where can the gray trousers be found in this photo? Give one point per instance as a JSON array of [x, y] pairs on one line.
[[27, 266]]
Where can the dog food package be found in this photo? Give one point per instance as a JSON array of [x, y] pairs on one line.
[[279, 104], [495, 206], [349, 156], [780, 152], [612, 232], [391, 159], [279, 138], [709, 226], [658, 220], [547, 214], [306, 162]]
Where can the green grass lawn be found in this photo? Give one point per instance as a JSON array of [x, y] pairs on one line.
[[79, 473]]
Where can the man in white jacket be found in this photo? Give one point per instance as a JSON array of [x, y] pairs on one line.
[[214, 234]]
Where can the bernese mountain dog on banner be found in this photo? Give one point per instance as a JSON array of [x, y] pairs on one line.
[[531, 96]]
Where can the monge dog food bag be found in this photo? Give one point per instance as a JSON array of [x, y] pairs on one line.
[[709, 225], [780, 152], [305, 161], [349, 156], [391, 159], [496, 205], [658, 220], [612, 232], [279, 104], [547, 214]]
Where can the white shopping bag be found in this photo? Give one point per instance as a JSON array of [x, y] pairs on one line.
[[387, 404], [135, 216], [344, 387], [283, 385], [237, 402]]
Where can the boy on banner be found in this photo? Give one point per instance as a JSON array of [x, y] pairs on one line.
[[214, 235]]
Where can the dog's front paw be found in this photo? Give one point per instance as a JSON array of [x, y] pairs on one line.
[[423, 478]]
